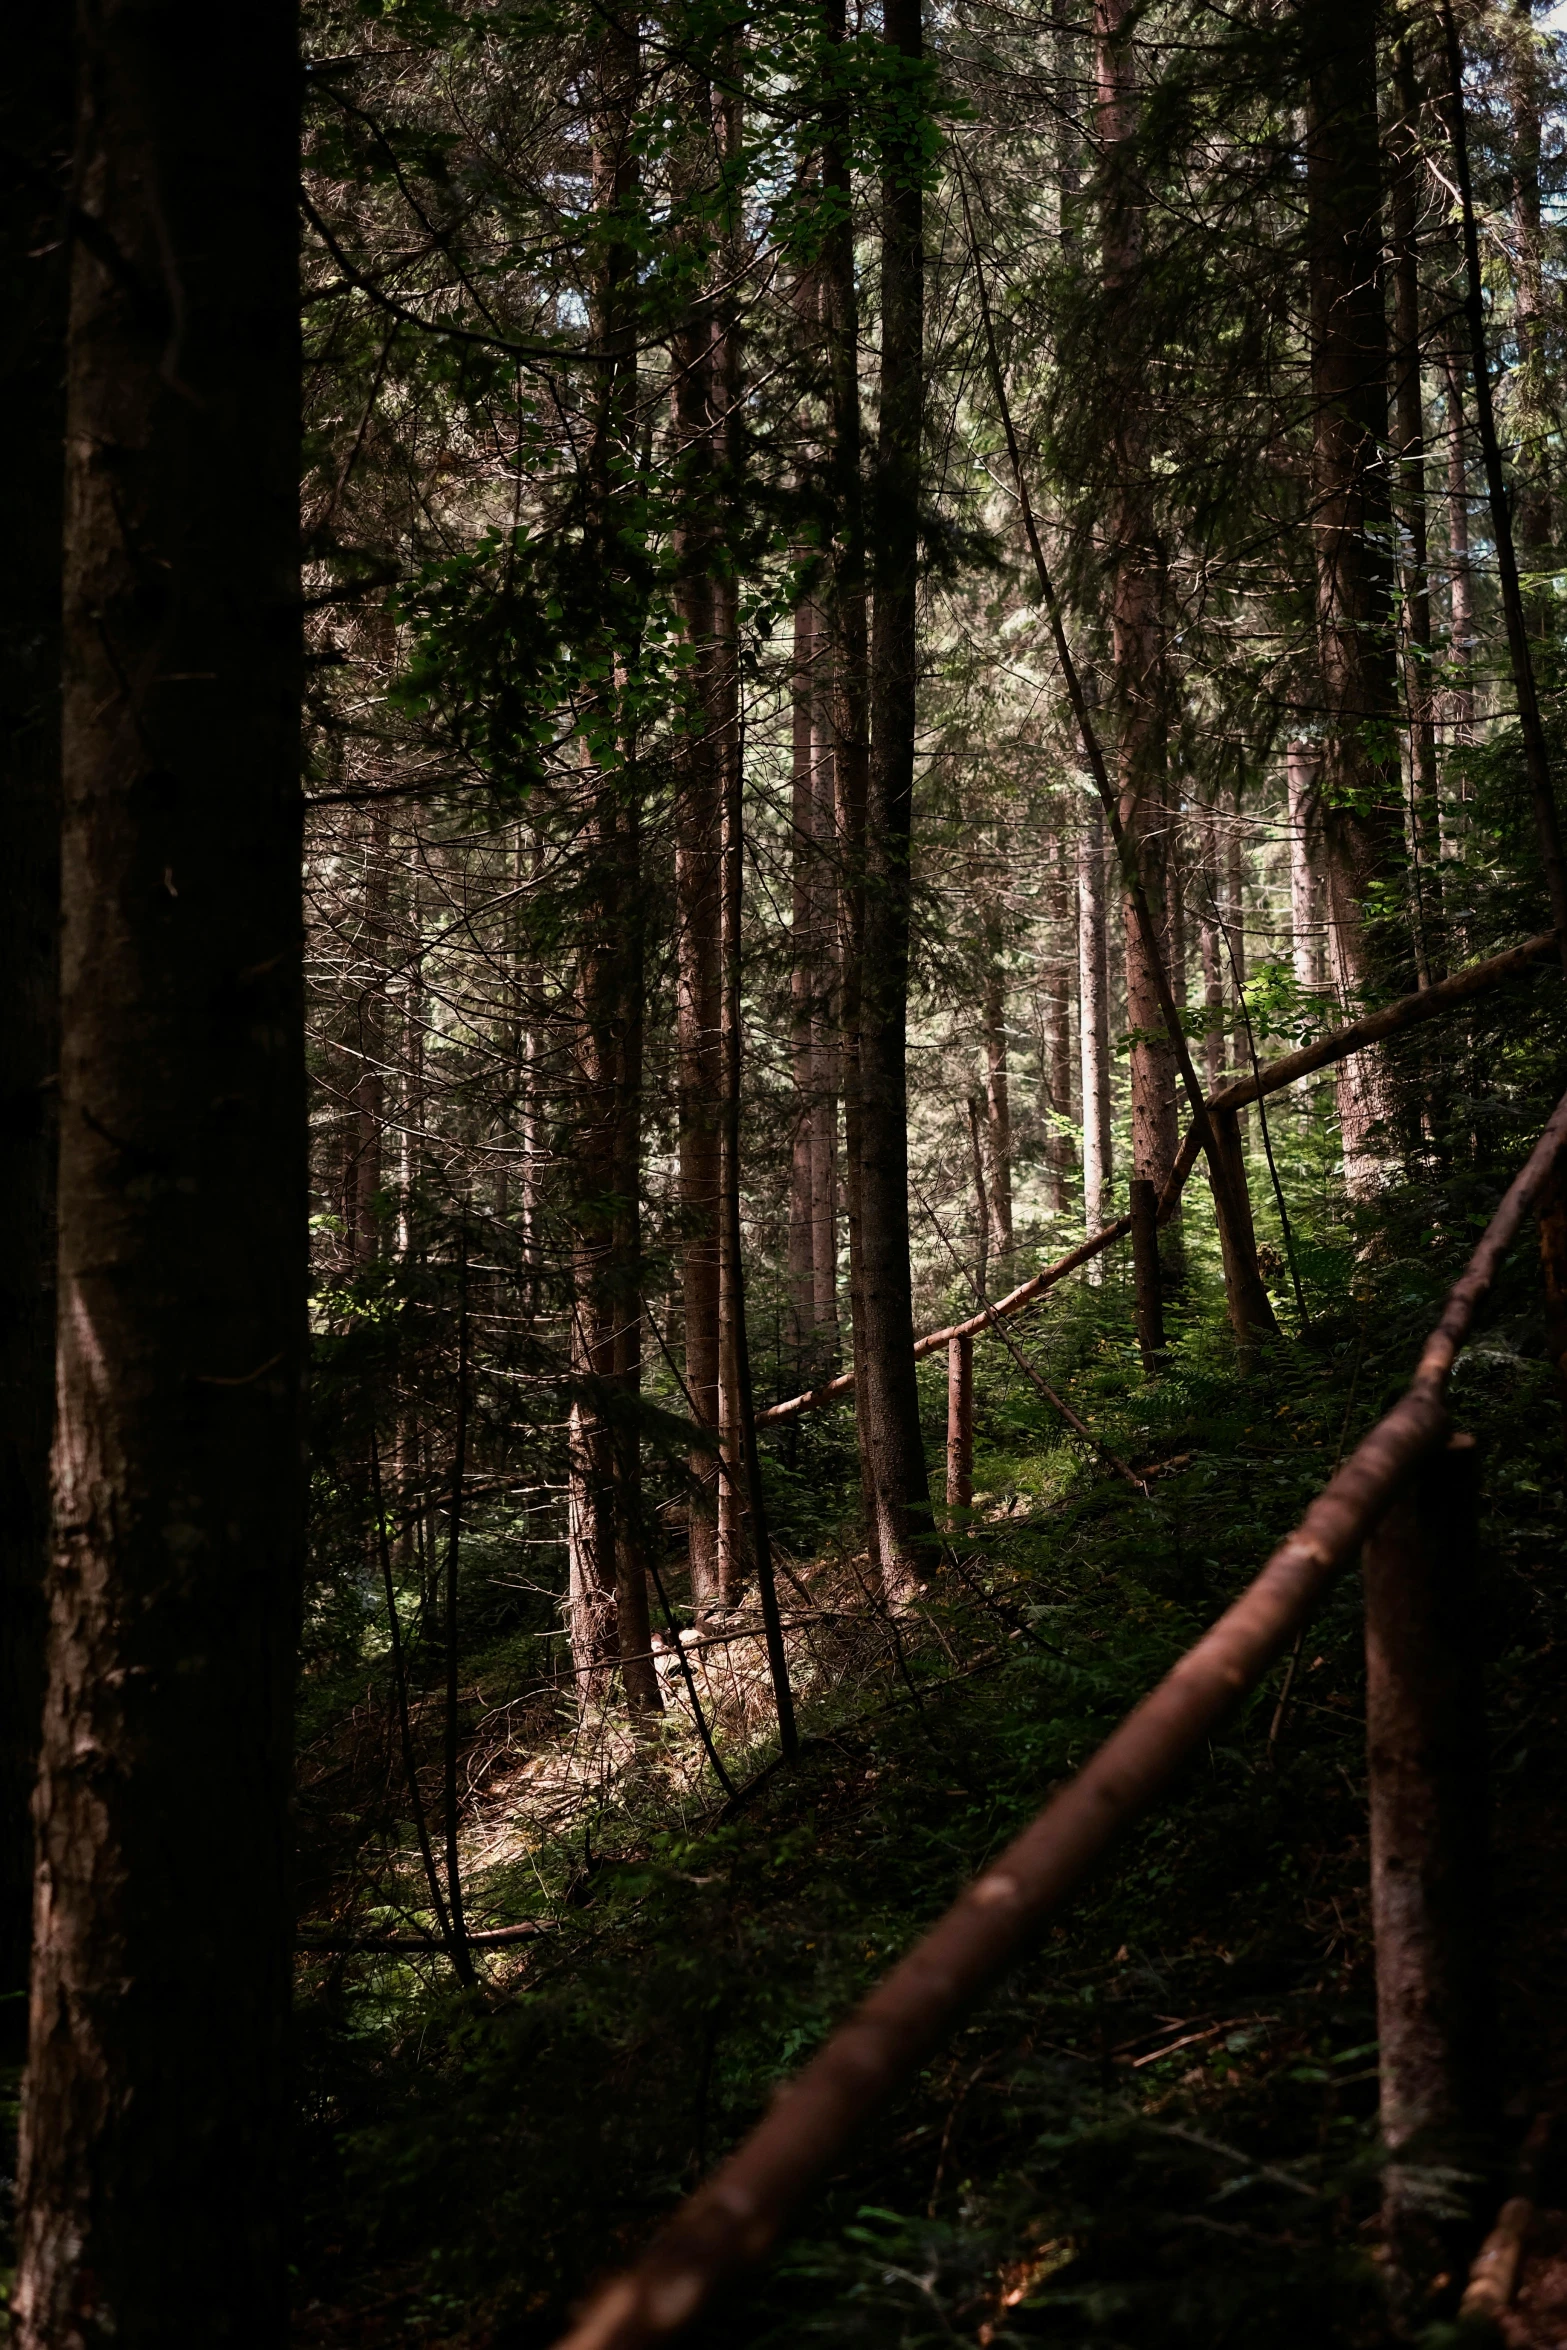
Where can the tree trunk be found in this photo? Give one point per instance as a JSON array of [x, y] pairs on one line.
[[1533, 404], [1135, 621], [604, 1277], [1460, 710], [732, 1358], [960, 1423], [890, 1424], [998, 1112], [1426, 1769], [156, 2106], [699, 1082], [633, 1624], [851, 690], [1215, 963], [976, 1143], [731, 1486], [824, 1032], [1235, 932], [35, 123], [369, 1044], [1055, 1065], [1305, 819], [1361, 784], [1094, 1017], [804, 996], [1406, 185]]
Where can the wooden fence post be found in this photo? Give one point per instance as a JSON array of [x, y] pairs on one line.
[[1426, 1766], [960, 1423], [1145, 1273], [1553, 1264]]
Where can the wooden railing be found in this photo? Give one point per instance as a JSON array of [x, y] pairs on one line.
[[1393, 1019], [1407, 1495]]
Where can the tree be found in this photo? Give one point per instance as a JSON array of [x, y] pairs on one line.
[[884, 1330], [1361, 789], [155, 2101], [35, 115]]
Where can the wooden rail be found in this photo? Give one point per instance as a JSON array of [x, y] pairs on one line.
[[1410, 1011], [730, 2223]]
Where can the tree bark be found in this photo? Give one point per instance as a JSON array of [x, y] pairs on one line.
[[1406, 187], [1300, 777], [602, 1211], [998, 1111], [369, 1045], [1361, 783], [35, 124], [824, 1019], [1460, 700], [732, 1372], [1426, 1766], [1532, 400], [1234, 941], [155, 2110], [1094, 1016], [1055, 1057], [731, 1487], [699, 1080], [803, 988], [960, 1424], [851, 688], [890, 1424], [1135, 621]]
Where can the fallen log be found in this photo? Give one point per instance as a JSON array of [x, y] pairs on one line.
[[488, 1938], [1409, 1011]]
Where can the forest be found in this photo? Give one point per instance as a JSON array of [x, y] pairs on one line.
[[783, 1174]]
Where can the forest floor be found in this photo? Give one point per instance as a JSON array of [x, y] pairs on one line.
[[1160, 2130]]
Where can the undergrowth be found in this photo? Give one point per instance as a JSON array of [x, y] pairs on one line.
[[1158, 2131]]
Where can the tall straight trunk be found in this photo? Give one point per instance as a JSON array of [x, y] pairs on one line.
[[726, 392], [633, 1625], [804, 993], [824, 1014], [155, 2112], [1361, 784], [1532, 391], [531, 1018], [1460, 699], [851, 699], [890, 1426], [411, 1103], [590, 1455], [1300, 782], [1211, 949], [731, 1484], [1093, 986], [1055, 1069], [699, 1078], [1531, 725], [369, 1042], [998, 1110], [1235, 931], [976, 1141], [604, 1277], [1135, 621], [1406, 187], [35, 123]]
